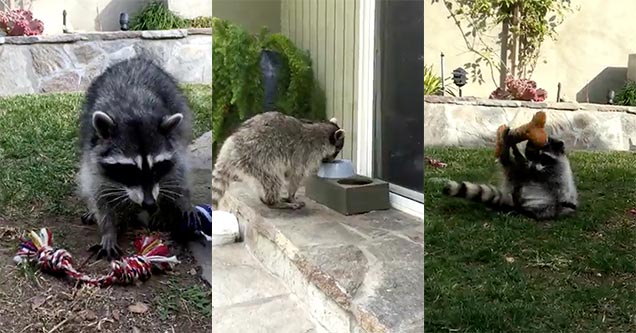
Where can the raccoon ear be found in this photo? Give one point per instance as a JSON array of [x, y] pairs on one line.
[[103, 124], [338, 136], [334, 120], [558, 146], [171, 122]]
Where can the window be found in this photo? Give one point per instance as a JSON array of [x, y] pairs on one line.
[[399, 97]]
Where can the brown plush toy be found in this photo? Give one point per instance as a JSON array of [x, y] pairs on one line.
[[533, 131]]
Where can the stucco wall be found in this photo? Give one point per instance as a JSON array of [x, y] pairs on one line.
[[251, 14], [592, 49], [103, 15], [329, 31]]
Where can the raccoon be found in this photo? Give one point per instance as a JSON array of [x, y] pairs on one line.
[[539, 185], [272, 149], [135, 128]]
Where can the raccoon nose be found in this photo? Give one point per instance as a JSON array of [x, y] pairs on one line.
[[149, 204]]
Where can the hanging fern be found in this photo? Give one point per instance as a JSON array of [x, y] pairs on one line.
[[237, 80], [236, 76], [296, 78]]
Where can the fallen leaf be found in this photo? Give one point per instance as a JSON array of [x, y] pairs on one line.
[[38, 301], [116, 315], [89, 315], [193, 271], [510, 259], [436, 163], [138, 308], [136, 330]]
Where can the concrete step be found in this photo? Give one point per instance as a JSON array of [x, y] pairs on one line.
[[362, 273], [247, 298]]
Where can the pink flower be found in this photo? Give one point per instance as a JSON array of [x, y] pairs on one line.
[[20, 22]]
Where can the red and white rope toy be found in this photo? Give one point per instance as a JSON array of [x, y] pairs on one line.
[[151, 253]]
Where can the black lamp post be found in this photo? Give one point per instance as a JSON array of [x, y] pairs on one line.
[[460, 78], [123, 21], [64, 28]]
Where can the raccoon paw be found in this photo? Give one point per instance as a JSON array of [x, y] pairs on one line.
[[285, 204], [112, 252], [88, 218], [296, 204]]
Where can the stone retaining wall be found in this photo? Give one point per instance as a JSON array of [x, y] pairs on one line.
[[471, 122], [68, 62]]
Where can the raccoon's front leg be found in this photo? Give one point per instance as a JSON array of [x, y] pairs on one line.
[[172, 213], [108, 244], [88, 218]]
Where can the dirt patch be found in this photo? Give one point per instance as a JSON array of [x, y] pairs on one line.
[[30, 301]]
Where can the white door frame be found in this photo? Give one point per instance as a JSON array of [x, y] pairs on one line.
[[366, 105]]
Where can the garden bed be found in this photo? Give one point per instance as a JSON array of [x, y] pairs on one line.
[[472, 122], [68, 62]]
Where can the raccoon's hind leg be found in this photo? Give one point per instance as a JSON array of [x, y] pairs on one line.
[[542, 213], [293, 182], [271, 185]]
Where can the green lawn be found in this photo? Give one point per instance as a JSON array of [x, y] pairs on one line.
[[491, 272], [38, 149]]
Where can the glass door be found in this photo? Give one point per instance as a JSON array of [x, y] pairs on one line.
[[399, 97]]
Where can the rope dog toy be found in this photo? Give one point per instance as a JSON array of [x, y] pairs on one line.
[[151, 253], [199, 221], [533, 131]]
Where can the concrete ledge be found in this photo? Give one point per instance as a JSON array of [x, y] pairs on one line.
[[472, 122], [561, 106], [361, 273], [104, 35]]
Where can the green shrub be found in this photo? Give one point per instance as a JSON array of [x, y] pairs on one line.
[[156, 16], [627, 94], [236, 83], [299, 93], [433, 83], [238, 80]]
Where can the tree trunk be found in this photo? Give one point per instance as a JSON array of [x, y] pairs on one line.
[[514, 52], [503, 67]]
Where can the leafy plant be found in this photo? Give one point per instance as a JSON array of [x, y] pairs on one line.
[[236, 86], [524, 27], [298, 94], [627, 94], [521, 90], [20, 22], [238, 79], [157, 16], [200, 22], [433, 83]]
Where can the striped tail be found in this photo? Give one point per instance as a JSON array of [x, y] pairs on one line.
[[483, 193], [221, 178]]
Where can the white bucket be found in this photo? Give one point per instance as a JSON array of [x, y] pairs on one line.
[[225, 228]]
